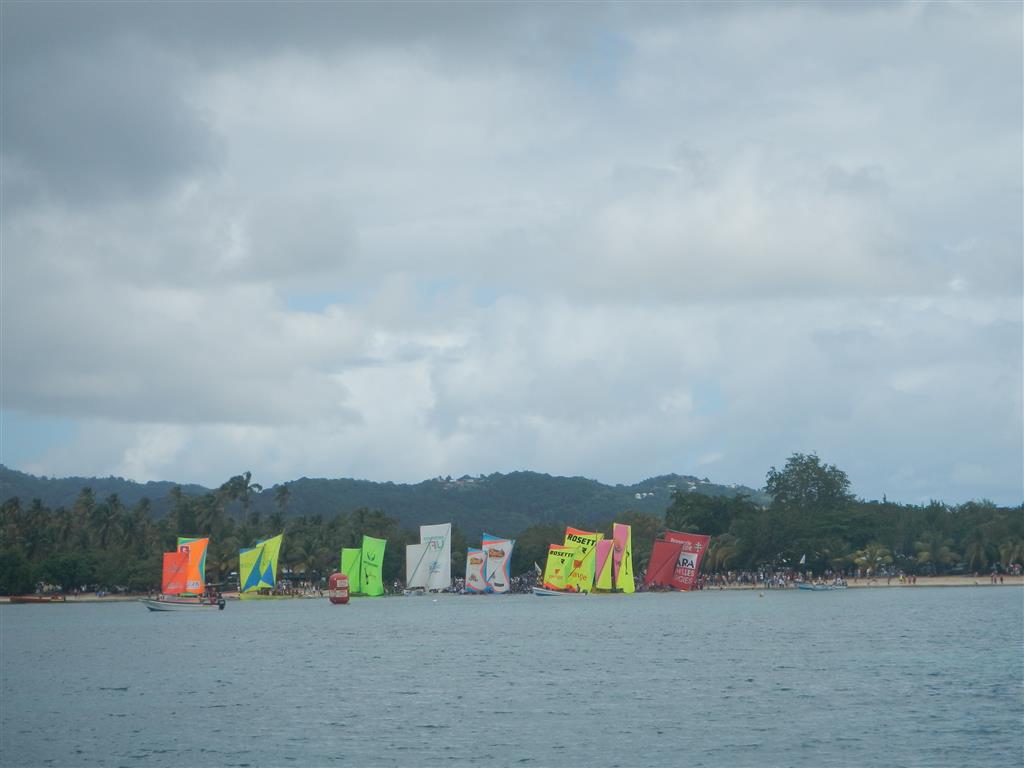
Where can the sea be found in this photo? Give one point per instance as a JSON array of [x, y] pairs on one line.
[[910, 676]]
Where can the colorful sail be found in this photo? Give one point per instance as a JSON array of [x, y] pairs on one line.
[[174, 572], [581, 577], [661, 566], [603, 565], [497, 565], [428, 565], [195, 574], [257, 566], [559, 565], [692, 547], [352, 566], [475, 561], [372, 563], [622, 558]]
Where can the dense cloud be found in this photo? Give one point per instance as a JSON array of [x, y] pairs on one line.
[[397, 240]]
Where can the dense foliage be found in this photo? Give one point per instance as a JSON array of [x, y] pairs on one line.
[[495, 503], [813, 515], [103, 542]]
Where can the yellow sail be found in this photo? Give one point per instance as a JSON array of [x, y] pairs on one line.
[[559, 563], [603, 578], [623, 557], [581, 577]]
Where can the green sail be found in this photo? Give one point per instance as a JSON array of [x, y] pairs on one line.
[[373, 560], [352, 566]]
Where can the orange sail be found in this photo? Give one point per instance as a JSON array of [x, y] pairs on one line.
[[174, 575], [195, 549]]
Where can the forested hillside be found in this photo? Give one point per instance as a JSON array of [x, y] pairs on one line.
[[498, 503]]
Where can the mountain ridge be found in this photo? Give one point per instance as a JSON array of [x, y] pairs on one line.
[[507, 502]]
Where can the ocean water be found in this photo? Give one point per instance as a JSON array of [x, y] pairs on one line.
[[888, 677]]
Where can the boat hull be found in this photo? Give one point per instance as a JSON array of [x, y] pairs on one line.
[[36, 599], [820, 587], [179, 605], [545, 592], [257, 596]]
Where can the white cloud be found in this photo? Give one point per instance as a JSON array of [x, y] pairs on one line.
[[676, 237]]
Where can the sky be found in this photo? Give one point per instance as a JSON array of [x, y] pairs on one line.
[[395, 241]]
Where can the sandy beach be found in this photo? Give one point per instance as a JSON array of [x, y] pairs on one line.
[[922, 581]]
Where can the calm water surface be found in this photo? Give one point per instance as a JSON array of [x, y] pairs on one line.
[[897, 677]]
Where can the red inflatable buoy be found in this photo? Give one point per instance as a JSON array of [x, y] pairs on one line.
[[337, 588]]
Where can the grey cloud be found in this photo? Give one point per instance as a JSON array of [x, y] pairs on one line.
[[111, 125]]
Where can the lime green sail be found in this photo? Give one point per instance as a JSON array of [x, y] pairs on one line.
[[373, 561], [352, 566], [257, 566], [581, 576], [558, 566]]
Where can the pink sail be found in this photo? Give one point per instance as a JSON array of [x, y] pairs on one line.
[[620, 536], [604, 548]]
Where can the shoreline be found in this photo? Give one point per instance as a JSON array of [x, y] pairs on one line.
[[924, 581]]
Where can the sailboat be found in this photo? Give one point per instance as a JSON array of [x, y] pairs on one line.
[[569, 569], [488, 569], [362, 565], [587, 562], [183, 581], [428, 565], [257, 570], [675, 560]]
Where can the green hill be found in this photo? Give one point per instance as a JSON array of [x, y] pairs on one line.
[[498, 503]]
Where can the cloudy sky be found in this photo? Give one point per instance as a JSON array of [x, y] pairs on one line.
[[393, 241]]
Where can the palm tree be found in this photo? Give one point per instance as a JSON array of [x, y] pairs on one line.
[[935, 549], [281, 497], [872, 558], [1011, 551]]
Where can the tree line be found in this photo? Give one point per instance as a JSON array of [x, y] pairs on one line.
[[103, 543]]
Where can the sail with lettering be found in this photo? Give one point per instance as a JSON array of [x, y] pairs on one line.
[[558, 566], [363, 567], [581, 577], [174, 572], [497, 565], [257, 566], [676, 559], [475, 561], [622, 558], [428, 565], [195, 572]]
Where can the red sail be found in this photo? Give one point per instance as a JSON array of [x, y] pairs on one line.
[[175, 572], [692, 547], [661, 567]]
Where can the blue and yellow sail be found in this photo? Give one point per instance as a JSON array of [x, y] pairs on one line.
[[257, 566]]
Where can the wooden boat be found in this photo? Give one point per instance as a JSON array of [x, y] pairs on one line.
[[819, 587], [167, 603], [31, 599], [545, 592]]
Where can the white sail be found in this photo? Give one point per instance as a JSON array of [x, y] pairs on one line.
[[438, 540], [497, 554], [415, 575]]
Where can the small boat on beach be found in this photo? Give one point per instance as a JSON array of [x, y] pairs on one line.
[[37, 599], [819, 587], [547, 592]]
